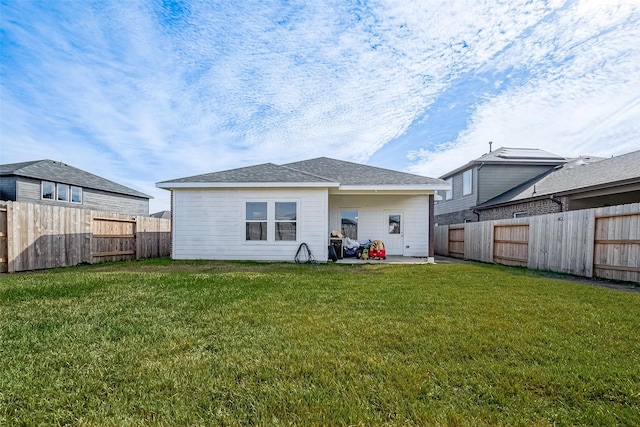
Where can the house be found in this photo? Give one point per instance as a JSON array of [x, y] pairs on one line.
[[55, 183], [583, 183], [161, 215], [265, 212], [489, 176]]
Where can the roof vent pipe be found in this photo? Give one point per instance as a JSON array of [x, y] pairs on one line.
[[490, 146]]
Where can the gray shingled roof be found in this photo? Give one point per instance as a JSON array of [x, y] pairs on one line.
[[319, 170], [578, 175], [347, 173], [512, 156], [267, 172], [50, 170]]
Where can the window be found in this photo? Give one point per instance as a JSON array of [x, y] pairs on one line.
[[394, 224], [48, 190], [286, 216], [349, 221], [63, 192], [467, 181], [519, 214], [256, 220], [76, 194], [449, 193]]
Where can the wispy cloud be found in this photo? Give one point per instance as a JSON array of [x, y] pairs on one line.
[[138, 92]]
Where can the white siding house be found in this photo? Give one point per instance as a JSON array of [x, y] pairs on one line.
[[212, 224], [266, 212]]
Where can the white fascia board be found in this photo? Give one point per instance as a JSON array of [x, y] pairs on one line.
[[172, 185], [415, 187]]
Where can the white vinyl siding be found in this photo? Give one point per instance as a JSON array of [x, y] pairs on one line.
[[211, 224], [373, 221]]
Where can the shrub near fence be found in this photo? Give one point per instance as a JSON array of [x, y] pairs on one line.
[[34, 236], [600, 242]]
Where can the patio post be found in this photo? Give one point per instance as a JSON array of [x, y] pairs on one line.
[[432, 230]]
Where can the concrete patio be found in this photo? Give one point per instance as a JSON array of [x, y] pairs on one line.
[[391, 259]]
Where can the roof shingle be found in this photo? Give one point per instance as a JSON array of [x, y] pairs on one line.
[[50, 170], [318, 170], [580, 174]]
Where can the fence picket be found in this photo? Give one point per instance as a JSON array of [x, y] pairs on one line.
[[35, 236], [600, 242]]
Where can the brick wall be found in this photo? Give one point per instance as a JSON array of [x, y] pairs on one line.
[[456, 217], [538, 207]]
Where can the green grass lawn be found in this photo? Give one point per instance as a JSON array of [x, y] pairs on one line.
[[218, 343]]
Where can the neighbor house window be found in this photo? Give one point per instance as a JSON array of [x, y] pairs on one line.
[[48, 190], [349, 224], [76, 194], [286, 216], [449, 193], [63, 192], [467, 181], [256, 221], [519, 214]]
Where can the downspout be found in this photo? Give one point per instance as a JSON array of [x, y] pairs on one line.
[[477, 214], [556, 201]]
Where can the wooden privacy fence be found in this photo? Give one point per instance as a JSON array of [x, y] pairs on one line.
[[34, 236], [601, 242]]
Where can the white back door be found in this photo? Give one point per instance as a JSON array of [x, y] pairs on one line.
[[394, 239]]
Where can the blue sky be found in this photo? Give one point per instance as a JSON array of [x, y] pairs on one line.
[[145, 91]]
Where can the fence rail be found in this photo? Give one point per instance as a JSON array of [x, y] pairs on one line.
[[34, 236], [601, 242]]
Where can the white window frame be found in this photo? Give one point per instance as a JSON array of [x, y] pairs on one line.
[[448, 195], [248, 221], [60, 185], [277, 221], [520, 214], [271, 221], [53, 193], [356, 218], [467, 189], [71, 194]]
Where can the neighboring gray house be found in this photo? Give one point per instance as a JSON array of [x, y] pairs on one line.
[[489, 176], [55, 183], [583, 183], [161, 215], [265, 212]]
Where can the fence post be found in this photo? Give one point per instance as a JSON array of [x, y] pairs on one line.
[[11, 268], [138, 241]]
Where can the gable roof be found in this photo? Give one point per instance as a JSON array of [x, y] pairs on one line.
[[578, 175], [50, 170], [512, 156], [161, 215], [264, 173], [318, 172]]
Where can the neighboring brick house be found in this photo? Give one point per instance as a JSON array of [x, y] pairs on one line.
[[487, 177], [55, 183], [583, 183]]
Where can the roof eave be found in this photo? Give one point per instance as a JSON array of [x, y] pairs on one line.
[[570, 192], [396, 187], [504, 163], [177, 185]]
